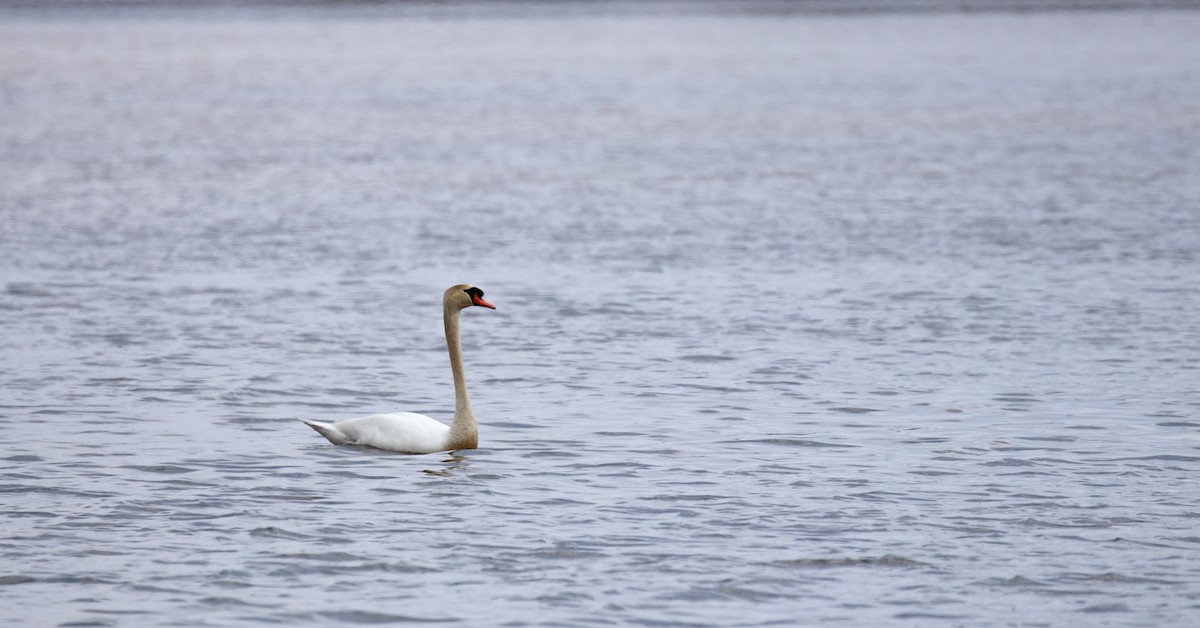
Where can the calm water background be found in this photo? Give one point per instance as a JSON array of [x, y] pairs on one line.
[[850, 319]]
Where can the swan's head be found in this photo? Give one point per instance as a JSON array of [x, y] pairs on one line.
[[463, 296]]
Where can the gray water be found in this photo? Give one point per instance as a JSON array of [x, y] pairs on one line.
[[864, 319]]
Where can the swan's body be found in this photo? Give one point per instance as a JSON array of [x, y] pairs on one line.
[[396, 431], [413, 433]]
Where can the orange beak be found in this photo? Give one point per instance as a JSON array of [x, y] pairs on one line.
[[480, 302]]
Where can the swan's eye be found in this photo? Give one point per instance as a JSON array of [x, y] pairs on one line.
[[474, 292]]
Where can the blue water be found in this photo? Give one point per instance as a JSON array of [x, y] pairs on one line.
[[859, 319]]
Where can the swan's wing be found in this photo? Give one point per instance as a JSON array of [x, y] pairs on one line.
[[407, 432]]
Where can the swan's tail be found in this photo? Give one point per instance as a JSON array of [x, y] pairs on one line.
[[329, 431]]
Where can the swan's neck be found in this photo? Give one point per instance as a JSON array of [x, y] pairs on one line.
[[464, 434]]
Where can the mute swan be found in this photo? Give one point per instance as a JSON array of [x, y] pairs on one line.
[[413, 433]]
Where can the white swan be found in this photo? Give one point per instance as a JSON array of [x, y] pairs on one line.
[[414, 433]]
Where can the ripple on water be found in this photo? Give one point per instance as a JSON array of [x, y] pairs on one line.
[[364, 617]]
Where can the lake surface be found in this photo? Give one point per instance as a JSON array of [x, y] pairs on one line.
[[861, 319]]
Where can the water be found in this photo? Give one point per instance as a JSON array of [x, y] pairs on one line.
[[852, 319]]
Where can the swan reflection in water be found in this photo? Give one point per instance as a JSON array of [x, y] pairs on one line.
[[453, 464], [409, 432]]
